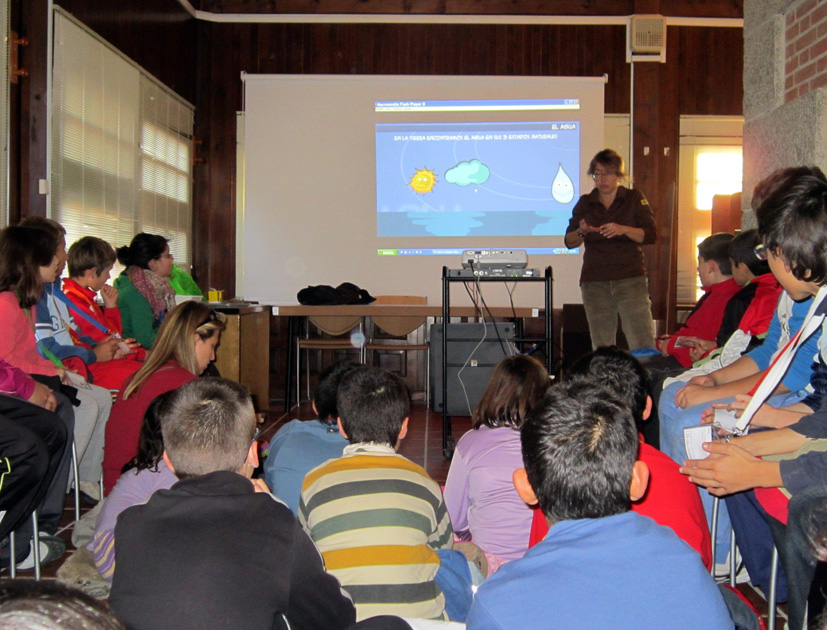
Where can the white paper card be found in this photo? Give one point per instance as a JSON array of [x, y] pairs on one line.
[[694, 439]]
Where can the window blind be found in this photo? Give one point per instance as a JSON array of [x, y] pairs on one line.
[[121, 146]]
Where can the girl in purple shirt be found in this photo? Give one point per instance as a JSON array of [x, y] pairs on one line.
[[479, 494]]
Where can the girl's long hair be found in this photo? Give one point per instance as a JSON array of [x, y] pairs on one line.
[[23, 250], [175, 340]]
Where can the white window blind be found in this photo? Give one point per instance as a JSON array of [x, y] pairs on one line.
[[121, 146]]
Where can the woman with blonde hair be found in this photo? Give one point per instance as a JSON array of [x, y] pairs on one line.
[[183, 349]]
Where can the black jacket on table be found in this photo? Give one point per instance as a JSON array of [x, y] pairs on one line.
[[211, 553]]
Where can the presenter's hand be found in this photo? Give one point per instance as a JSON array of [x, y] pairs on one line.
[[610, 230], [585, 228]]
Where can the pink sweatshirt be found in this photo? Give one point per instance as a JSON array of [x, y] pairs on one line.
[[17, 342]]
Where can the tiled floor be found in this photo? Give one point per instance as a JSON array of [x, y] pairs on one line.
[[423, 445]]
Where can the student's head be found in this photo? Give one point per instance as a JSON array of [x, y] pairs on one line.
[[51, 605], [147, 251], [745, 264], [28, 258], [324, 396], [90, 261], [620, 372], [150, 440], [56, 230], [792, 222], [518, 383], [373, 406], [713, 258], [580, 450], [189, 335], [208, 425]]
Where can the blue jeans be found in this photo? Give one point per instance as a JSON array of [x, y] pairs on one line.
[[673, 420]]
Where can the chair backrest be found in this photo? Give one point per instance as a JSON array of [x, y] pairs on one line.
[[399, 326], [336, 325]]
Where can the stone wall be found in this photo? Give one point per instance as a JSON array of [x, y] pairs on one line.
[[785, 100]]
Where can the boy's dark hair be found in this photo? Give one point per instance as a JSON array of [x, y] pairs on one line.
[[207, 424], [324, 396], [716, 247], [373, 404], [90, 252], [610, 159], [793, 220], [742, 250], [143, 248], [23, 250], [518, 383], [619, 371], [579, 448]]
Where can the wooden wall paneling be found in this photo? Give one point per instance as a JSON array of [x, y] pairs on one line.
[[34, 119], [159, 35], [442, 7]]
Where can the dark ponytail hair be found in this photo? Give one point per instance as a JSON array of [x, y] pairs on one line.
[[143, 248]]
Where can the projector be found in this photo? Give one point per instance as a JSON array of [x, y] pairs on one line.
[[503, 258]]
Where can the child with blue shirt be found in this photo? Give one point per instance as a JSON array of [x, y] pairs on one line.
[[299, 446], [600, 565]]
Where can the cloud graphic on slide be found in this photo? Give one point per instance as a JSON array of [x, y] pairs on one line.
[[467, 173]]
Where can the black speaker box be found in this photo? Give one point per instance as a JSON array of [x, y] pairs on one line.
[[474, 350]]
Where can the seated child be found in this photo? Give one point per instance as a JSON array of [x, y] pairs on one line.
[[142, 476], [479, 492], [300, 446], [217, 550], [90, 262], [669, 499], [601, 565], [377, 517], [101, 362], [704, 321]]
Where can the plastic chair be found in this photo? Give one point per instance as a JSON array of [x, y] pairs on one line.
[[400, 327], [337, 328]]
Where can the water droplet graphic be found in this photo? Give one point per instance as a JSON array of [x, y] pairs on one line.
[[562, 188]]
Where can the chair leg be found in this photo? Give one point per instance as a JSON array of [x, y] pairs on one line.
[[714, 531], [771, 603], [12, 563], [732, 568], [77, 480], [36, 545]]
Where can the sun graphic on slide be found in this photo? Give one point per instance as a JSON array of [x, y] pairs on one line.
[[423, 181]]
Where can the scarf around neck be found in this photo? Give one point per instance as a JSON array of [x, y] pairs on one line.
[[156, 289]]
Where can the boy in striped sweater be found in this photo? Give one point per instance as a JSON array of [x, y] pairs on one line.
[[377, 517]]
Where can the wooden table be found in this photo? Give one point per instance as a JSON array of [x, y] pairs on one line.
[[295, 312]]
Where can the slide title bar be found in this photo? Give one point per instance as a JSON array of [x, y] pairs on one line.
[[478, 106]]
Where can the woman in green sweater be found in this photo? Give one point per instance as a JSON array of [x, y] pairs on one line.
[[145, 294]]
